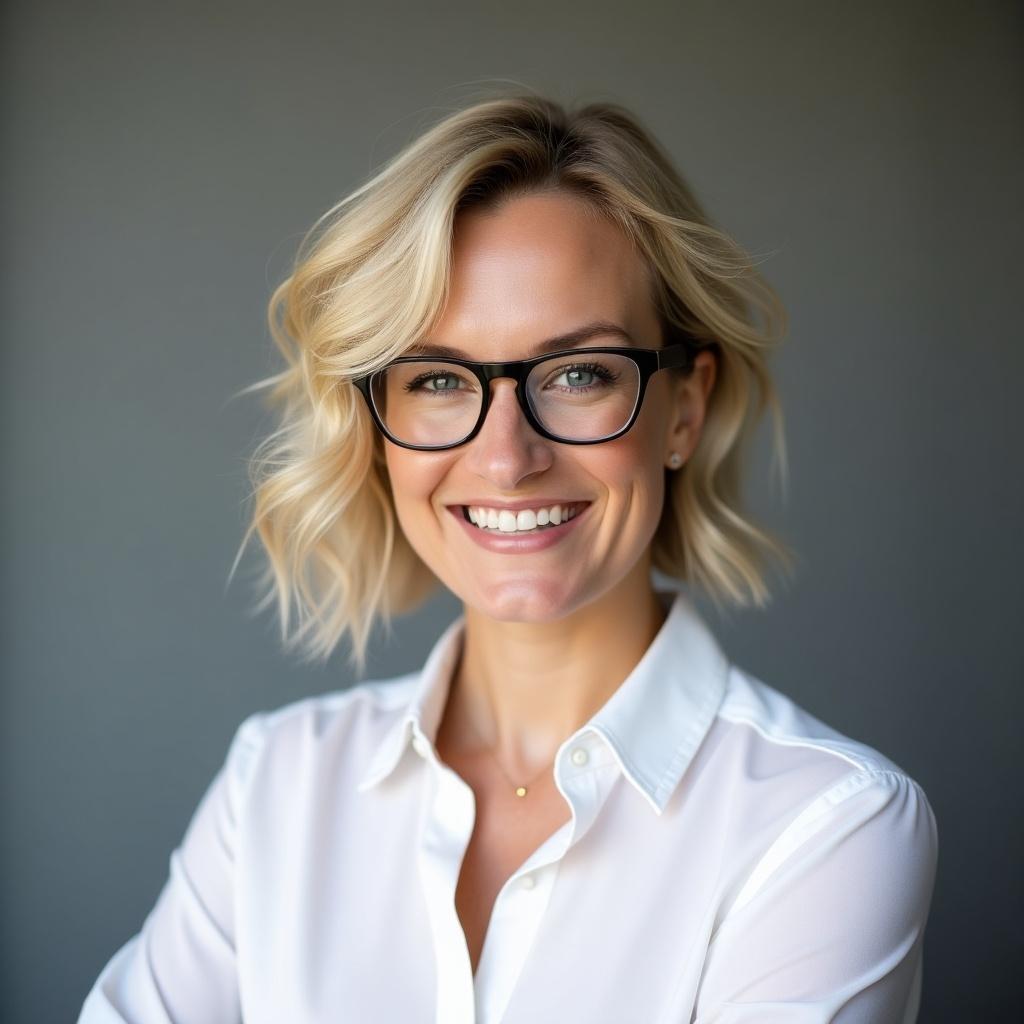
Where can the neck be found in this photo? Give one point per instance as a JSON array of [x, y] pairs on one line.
[[519, 689]]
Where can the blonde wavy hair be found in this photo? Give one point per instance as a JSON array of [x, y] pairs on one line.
[[371, 277]]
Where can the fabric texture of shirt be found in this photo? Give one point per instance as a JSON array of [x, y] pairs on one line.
[[729, 858]]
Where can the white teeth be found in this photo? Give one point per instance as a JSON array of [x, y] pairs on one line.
[[506, 521], [526, 520]]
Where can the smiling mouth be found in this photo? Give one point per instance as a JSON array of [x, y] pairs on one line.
[[526, 521]]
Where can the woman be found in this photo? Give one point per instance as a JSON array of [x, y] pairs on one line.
[[523, 364]]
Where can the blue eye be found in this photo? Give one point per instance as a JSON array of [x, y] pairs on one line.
[[573, 377], [584, 376], [448, 381]]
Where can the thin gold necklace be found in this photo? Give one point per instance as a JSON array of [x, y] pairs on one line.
[[519, 790]]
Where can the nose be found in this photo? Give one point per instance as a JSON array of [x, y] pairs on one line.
[[507, 449]]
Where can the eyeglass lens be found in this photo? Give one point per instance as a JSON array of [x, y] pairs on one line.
[[433, 402]]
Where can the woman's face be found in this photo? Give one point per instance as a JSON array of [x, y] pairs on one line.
[[537, 267]]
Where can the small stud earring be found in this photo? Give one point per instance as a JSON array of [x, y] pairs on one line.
[[675, 460]]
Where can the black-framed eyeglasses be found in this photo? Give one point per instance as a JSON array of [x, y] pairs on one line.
[[573, 396]]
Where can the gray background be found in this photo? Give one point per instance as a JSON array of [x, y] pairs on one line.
[[161, 162]]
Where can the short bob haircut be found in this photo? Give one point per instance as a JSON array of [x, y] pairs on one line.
[[369, 280]]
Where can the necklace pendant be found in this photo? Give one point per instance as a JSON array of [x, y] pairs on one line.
[[520, 791]]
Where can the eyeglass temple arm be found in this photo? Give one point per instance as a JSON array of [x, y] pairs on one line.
[[680, 353]]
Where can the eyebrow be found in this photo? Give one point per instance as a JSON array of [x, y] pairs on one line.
[[567, 340]]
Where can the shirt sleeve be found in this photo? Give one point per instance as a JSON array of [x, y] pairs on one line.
[[829, 926], [180, 967]]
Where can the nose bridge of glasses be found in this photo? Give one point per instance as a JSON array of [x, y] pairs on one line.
[[504, 388], [494, 372]]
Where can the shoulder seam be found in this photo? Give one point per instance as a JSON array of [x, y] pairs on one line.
[[828, 746], [255, 730], [813, 810]]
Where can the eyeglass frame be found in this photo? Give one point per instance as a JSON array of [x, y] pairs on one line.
[[680, 353]]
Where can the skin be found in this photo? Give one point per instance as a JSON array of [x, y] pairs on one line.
[[549, 635]]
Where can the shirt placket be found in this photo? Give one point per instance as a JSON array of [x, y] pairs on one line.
[[584, 775], [446, 828], [517, 913]]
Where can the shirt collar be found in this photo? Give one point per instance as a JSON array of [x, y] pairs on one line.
[[654, 722]]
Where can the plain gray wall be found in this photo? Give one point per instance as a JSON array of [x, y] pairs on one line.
[[160, 164]]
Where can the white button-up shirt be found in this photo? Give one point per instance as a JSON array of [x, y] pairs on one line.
[[729, 858]]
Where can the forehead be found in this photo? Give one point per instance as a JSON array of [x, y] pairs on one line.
[[537, 266]]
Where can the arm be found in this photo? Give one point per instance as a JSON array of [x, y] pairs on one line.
[[829, 925], [180, 967]]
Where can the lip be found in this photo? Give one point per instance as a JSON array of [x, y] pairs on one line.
[[510, 544], [515, 506]]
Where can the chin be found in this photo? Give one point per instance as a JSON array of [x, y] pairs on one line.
[[540, 599]]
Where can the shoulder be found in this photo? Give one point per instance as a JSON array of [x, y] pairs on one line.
[[306, 730], [826, 865], [776, 722], [812, 787]]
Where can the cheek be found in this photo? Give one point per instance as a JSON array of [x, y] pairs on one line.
[[647, 439], [414, 479], [637, 456], [634, 480], [635, 476]]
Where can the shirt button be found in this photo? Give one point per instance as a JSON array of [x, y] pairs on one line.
[[420, 745], [528, 881], [580, 756]]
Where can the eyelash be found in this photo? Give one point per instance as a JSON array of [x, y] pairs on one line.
[[414, 384], [606, 375]]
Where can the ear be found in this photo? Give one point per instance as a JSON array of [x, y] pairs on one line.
[[690, 397]]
